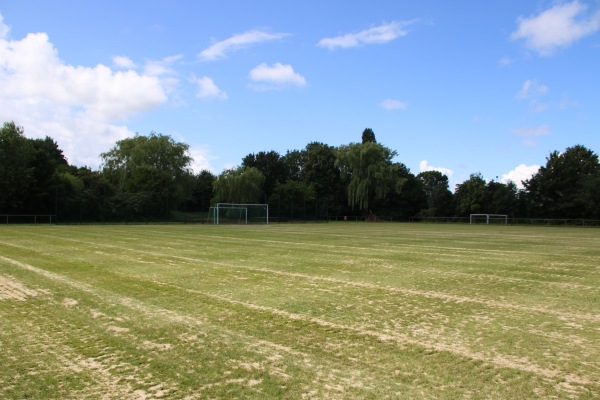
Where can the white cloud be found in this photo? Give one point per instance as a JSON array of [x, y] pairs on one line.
[[220, 49], [207, 89], [556, 27], [4, 29], [378, 34], [541, 130], [390, 104], [424, 166], [78, 106], [200, 157], [161, 67], [276, 76], [123, 62], [520, 174]]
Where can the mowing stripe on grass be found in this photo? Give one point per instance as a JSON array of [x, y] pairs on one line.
[[567, 315], [323, 311], [498, 360]]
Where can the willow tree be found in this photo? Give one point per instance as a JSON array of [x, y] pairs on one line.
[[369, 172], [239, 185]]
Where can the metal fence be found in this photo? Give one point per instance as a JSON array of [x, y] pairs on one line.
[[27, 219]]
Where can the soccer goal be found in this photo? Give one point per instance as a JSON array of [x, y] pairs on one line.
[[488, 218], [233, 213]]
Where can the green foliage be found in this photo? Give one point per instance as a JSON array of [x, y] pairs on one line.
[[369, 171], [239, 185], [475, 195], [295, 163], [271, 165], [439, 198], [16, 168], [500, 198], [408, 200], [292, 197], [147, 177], [155, 168], [202, 191], [29, 172], [368, 136], [470, 196], [320, 169], [566, 186]]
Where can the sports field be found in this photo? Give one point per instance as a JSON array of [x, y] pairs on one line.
[[299, 311]]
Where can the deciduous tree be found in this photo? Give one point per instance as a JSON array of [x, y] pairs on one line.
[[439, 197], [470, 196], [272, 166], [150, 169], [16, 169], [562, 188]]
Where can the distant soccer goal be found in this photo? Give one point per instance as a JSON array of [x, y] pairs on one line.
[[233, 213], [488, 218]]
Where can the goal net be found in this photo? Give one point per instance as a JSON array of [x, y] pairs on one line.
[[488, 219], [233, 213]]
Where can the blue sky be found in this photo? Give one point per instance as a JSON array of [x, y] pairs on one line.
[[461, 87]]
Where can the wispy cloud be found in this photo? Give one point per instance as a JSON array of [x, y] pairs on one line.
[[162, 67], [123, 62], [506, 61], [378, 34], [207, 89], [4, 29], [556, 27], [532, 91], [276, 76], [541, 130], [391, 104], [220, 49]]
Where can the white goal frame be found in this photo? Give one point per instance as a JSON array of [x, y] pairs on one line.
[[214, 213], [489, 217]]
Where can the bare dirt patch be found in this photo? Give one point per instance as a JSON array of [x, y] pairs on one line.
[[12, 289], [157, 346], [67, 302]]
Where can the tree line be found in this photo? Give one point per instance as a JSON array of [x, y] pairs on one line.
[[149, 178]]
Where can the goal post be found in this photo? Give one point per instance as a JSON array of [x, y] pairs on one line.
[[235, 213], [487, 218]]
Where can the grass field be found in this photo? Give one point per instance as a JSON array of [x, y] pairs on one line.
[[307, 311]]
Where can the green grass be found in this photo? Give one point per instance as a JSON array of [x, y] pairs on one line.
[[339, 310]]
